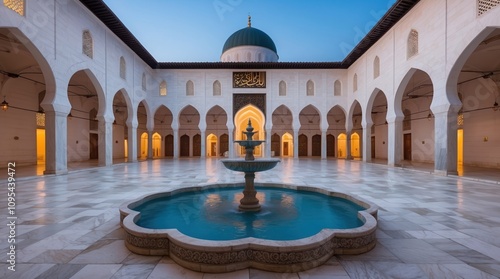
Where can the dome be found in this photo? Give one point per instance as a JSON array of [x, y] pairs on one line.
[[249, 36]]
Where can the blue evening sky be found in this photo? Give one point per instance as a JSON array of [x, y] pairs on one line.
[[196, 30]]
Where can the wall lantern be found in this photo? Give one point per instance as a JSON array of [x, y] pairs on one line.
[[4, 104]]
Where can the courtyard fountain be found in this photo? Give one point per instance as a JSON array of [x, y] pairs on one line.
[[283, 228], [249, 166]]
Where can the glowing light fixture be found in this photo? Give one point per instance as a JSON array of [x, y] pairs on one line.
[[4, 104]]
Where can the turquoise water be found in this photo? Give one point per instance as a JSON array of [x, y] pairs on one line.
[[213, 214]]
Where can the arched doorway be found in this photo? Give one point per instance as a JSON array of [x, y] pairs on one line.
[[336, 125], [189, 121], [144, 146], [156, 145], [357, 130], [216, 119], [224, 144], [142, 120], [316, 145], [163, 119], [120, 129], [169, 146], [197, 145], [330, 145], [355, 146], [287, 145], [82, 128], [275, 145], [342, 146], [302, 145], [309, 119], [377, 136], [476, 74], [212, 145], [184, 152], [252, 113], [417, 132]]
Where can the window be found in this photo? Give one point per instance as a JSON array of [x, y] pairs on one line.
[[217, 88], [249, 57], [163, 88], [282, 88], [376, 67], [144, 81], [310, 88], [15, 5], [337, 88], [355, 83], [412, 44], [189, 88], [123, 68], [87, 44]]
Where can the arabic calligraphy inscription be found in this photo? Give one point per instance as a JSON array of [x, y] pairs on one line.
[[249, 79]]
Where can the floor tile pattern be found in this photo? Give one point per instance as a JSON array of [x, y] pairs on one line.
[[430, 226]]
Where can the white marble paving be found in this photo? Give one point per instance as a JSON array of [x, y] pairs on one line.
[[430, 226]]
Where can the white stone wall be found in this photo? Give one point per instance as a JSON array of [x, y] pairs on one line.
[[52, 30]]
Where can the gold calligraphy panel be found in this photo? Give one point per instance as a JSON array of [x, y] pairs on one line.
[[249, 79]]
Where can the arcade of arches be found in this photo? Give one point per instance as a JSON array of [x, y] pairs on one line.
[[411, 123]]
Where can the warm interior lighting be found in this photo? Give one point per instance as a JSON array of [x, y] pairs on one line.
[[4, 104]]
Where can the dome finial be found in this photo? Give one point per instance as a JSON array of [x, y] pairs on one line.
[[249, 21]]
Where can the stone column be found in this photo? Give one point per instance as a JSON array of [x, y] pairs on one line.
[[295, 143], [56, 140], [323, 144], [230, 133], [203, 144], [132, 140], [445, 146], [105, 140], [267, 152], [176, 143], [395, 141], [367, 142], [150, 144], [348, 145]]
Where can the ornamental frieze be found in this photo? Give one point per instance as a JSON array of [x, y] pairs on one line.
[[249, 79]]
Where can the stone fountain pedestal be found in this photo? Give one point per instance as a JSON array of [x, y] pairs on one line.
[[249, 166]]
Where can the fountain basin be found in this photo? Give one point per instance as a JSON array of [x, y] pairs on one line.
[[229, 255], [250, 166]]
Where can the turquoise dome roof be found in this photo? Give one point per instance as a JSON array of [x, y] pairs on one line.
[[249, 36]]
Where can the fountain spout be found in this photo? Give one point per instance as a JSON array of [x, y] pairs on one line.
[[249, 166]]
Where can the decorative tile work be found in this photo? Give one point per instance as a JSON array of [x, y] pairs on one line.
[[412, 44], [88, 44], [212, 256], [485, 5], [15, 5]]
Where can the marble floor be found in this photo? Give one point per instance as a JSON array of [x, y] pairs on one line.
[[430, 226]]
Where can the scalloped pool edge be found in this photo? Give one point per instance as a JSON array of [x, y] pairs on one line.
[[271, 255]]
